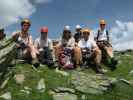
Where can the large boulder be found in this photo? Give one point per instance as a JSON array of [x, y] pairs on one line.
[[64, 96], [90, 83], [7, 52], [7, 56]]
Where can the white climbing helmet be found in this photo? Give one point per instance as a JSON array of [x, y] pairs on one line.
[[67, 28], [78, 27]]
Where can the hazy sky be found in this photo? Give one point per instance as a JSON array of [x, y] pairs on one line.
[[57, 13]]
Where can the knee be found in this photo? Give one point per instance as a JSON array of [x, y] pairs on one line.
[[77, 49], [98, 51]]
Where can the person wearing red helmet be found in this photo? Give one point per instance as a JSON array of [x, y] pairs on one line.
[[24, 43], [44, 46]]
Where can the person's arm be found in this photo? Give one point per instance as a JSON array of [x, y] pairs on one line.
[[94, 46], [15, 35], [30, 43], [79, 44], [50, 45], [36, 44]]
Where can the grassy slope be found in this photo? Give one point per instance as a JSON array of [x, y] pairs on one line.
[[121, 91]]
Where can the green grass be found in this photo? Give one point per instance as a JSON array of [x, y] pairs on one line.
[[120, 91]]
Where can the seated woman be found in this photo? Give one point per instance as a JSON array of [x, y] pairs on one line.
[[90, 51], [45, 47], [24, 43], [65, 49]]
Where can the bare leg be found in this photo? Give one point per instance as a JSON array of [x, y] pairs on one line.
[[109, 51], [97, 60], [77, 56], [97, 56]]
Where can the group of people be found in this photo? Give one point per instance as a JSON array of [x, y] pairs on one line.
[[71, 51]]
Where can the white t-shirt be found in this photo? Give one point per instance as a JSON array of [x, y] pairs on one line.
[[102, 35], [40, 43], [69, 43], [90, 44]]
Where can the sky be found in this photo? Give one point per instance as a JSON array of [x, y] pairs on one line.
[[57, 13]]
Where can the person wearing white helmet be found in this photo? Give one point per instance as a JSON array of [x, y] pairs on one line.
[[67, 38], [67, 28], [77, 35], [66, 49]]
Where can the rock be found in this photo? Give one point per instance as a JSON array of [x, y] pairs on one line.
[[19, 78], [27, 88], [125, 81], [64, 96], [25, 91], [61, 72], [113, 80], [7, 52], [89, 83], [4, 83], [7, 55], [62, 89], [41, 85], [131, 82], [6, 96], [51, 92], [83, 97], [131, 72]]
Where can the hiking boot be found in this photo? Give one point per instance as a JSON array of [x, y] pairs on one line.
[[56, 64], [113, 64], [98, 69], [114, 61], [50, 62], [104, 70]]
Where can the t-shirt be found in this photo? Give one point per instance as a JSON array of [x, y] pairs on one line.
[[102, 35], [87, 44], [27, 40], [40, 43], [68, 43]]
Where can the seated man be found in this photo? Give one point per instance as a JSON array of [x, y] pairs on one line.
[[90, 51], [24, 43], [44, 46], [103, 42]]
